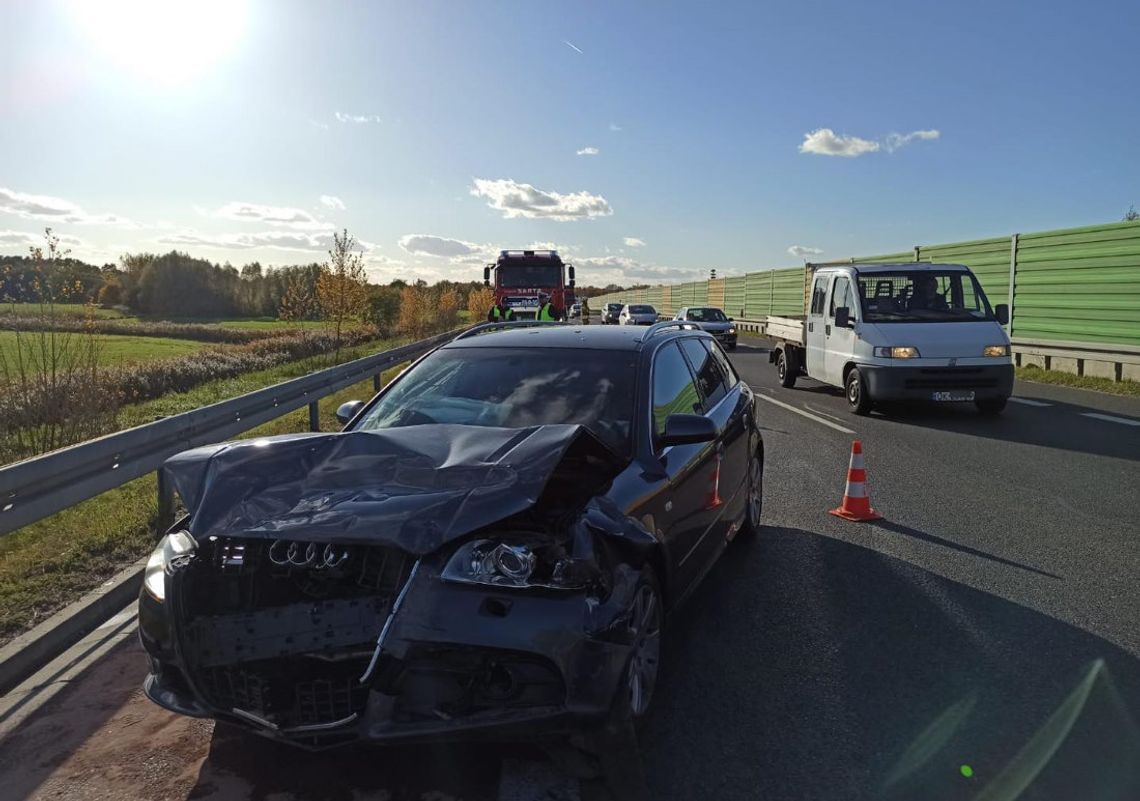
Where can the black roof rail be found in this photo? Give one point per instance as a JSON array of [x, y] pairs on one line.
[[486, 328], [665, 325]]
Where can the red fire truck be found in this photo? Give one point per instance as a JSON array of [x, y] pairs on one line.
[[521, 275]]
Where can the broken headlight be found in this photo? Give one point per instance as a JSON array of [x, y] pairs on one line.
[[501, 564], [174, 546]]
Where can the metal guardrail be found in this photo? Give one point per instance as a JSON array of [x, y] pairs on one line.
[[36, 488]]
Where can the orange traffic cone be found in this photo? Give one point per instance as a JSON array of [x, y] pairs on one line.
[[856, 503]]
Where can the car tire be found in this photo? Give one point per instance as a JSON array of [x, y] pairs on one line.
[[855, 388], [991, 406], [785, 370], [645, 626], [754, 501]]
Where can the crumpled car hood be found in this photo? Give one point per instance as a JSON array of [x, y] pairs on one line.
[[414, 487]]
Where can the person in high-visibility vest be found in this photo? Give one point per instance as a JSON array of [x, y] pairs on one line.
[[545, 310], [585, 311], [500, 312]]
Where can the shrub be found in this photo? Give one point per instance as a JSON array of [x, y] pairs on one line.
[[16, 319]]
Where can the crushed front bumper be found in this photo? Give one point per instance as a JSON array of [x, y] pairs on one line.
[[460, 661], [989, 381]]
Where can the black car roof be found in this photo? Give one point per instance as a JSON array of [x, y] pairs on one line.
[[607, 337]]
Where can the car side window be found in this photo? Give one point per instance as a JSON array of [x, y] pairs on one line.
[[709, 377], [839, 296], [819, 294], [674, 391], [728, 372]]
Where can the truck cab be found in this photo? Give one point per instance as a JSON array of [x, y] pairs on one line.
[[898, 332], [519, 277]]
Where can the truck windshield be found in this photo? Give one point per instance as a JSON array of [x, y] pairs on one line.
[[515, 388], [911, 296], [518, 276]]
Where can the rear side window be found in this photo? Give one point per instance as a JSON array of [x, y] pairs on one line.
[[731, 379], [710, 379], [674, 391]]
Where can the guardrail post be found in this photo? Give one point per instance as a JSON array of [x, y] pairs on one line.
[[376, 383], [314, 416], [165, 502], [1012, 276]]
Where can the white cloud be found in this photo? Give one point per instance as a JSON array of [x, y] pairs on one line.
[[601, 270], [615, 127], [633, 242], [273, 215], [825, 142], [324, 126], [523, 200], [54, 209], [589, 151], [277, 240], [894, 141], [27, 239], [333, 202], [801, 250], [571, 45], [440, 246], [359, 119]]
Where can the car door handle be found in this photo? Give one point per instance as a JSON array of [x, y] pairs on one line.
[[811, 327], [827, 330]]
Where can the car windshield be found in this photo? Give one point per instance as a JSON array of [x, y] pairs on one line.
[[535, 274], [707, 316], [614, 307], [515, 388], [910, 296], [641, 310]]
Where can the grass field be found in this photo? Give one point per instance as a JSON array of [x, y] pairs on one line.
[[68, 309], [49, 564], [114, 350]]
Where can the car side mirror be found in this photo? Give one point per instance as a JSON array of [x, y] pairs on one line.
[[687, 429], [347, 410], [731, 319], [843, 317], [487, 276], [1001, 311]]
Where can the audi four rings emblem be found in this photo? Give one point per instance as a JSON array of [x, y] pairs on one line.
[[306, 554]]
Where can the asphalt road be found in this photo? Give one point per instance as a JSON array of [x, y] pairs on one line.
[[982, 641]]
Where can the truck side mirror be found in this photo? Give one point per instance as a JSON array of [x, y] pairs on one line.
[[1001, 311], [843, 317], [570, 272], [487, 276]]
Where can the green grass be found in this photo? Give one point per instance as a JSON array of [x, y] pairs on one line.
[[68, 309], [49, 564], [250, 323], [1034, 373], [113, 350]]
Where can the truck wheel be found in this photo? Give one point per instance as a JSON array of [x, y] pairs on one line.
[[990, 406], [785, 371], [857, 396]]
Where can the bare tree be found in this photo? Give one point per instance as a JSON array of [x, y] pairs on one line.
[[1131, 214], [342, 288]]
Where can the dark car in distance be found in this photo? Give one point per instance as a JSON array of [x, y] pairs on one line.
[[490, 548], [713, 320], [610, 313]]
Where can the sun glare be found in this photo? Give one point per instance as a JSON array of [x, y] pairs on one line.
[[163, 41]]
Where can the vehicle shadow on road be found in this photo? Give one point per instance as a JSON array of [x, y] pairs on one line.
[[1061, 425], [809, 667]]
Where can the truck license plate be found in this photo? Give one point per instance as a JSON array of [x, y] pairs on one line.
[[953, 396]]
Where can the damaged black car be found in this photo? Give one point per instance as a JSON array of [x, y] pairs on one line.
[[490, 548]]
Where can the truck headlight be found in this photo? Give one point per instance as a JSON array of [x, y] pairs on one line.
[[906, 352], [996, 350], [176, 545], [501, 564]]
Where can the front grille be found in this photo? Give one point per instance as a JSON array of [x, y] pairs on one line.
[[288, 692], [942, 378]]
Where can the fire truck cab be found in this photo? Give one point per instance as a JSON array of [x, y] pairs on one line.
[[520, 276]]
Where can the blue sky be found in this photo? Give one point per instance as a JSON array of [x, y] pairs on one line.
[[437, 132]]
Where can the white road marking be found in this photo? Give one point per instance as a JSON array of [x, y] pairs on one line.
[[1028, 402], [1110, 419], [822, 413], [808, 415]]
